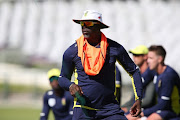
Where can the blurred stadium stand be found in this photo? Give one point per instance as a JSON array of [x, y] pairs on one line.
[[39, 31]]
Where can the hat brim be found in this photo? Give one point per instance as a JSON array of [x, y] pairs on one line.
[[136, 53], [101, 24]]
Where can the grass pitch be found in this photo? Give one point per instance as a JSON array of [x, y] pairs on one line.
[[21, 114]]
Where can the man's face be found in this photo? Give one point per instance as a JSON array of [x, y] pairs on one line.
[[55, 85], [138, 59], [153, 60], [90, 32]]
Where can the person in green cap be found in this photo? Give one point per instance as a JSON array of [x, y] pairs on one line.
[[140, 59], [57, 100]]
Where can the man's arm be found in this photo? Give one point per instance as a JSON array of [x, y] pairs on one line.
[[166, 87], [45, 111], [67, 71], [127, 63], [118, 85]]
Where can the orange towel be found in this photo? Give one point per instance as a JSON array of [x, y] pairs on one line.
[[92, 58]]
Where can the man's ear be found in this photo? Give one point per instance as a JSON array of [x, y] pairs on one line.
[[160, 59]]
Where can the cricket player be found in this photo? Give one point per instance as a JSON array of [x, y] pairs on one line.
[[57, 100], [92, 58], [167, 86], [140, 56]]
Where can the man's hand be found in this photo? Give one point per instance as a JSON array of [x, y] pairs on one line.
[[136, 108], [75, 88]]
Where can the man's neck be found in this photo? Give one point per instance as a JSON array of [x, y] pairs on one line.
[[161, 68], [94, 42], [143, 67], [59, 92]]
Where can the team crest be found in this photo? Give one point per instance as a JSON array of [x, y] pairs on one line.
[[63, 101]]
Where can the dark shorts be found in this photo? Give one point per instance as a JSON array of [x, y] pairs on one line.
[[84, 114], [166, 115]]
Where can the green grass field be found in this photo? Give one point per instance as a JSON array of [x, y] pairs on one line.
[[8, 112], [21, 114]]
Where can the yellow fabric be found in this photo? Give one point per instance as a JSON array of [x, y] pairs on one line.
[[53, 72], [76, 75], [76, 82], [133, 84], [75, 99], [118, 86], [141, 49], [92, 58], [175, 100], [115, 85], [86, 107], [134, 88]]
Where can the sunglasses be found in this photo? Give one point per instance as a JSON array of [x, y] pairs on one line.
[[53, 78], [88, 23]]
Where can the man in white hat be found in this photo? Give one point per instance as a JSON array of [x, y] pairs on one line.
[[92, 57]]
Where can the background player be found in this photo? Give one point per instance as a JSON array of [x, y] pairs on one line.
[[167, 86], [140, 59], [57, 100]]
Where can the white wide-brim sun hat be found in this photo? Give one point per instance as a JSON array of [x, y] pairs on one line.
[[92, 15]]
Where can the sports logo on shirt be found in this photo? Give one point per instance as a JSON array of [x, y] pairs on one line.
[[50, 92], [63, 101], [51, 102]]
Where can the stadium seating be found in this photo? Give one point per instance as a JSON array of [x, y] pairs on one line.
[[45, 28]]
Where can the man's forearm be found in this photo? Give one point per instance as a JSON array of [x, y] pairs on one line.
[[64, 82]]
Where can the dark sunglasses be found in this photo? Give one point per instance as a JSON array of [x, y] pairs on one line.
[[88, 23]]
